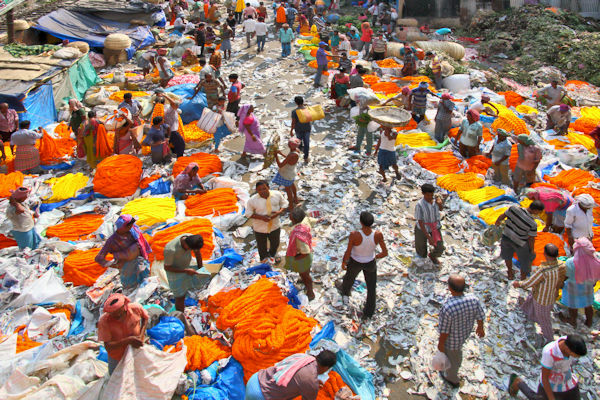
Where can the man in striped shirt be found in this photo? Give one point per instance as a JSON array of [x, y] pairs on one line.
[[519, 237], [418, 101], [544, 284]]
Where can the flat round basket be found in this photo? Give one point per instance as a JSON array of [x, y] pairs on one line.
[[117, 41], [390, 116]]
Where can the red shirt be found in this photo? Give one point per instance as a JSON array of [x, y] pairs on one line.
[[235, 92], [110, 329], [366, 35]]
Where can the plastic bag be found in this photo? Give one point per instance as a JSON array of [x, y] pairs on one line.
[[209, 121], [229, 385], [67, 53], [440, 362], [169, 330], [363, 96], [491, 235]]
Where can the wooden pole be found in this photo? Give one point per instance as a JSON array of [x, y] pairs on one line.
[[10, 26]]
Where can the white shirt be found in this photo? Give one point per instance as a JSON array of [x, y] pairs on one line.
[[261, 28], [387, 144], [257, 205], [346, 46], [579, 222], [21, 222], [249, 25]]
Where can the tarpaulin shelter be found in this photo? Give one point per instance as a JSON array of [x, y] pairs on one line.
[[75, 26], [130, 11], [37, 86]]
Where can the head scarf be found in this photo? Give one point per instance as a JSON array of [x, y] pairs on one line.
[[484, 98], [137, 234], [188, 168], [365, 25], [114, 302], [75, 104], [587, 265], [19, 194], [532, 191], [405, 90], [502, 132], [293, 142], [474, 114], [563, 108], [525, 139], [446, 96], [161, 52], [585, 200]]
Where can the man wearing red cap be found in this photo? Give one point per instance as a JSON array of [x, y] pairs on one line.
[[122, 324]]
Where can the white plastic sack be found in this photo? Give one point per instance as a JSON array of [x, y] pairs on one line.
[[67, 53], [209, 121], [229, 120], [119, 76], [96, 96], [440, 362], [457, 83], [146, 373], [49, 288], [363, 96]]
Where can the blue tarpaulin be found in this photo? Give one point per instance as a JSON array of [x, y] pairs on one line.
[[75, 26], [191, 110], [39, 107]]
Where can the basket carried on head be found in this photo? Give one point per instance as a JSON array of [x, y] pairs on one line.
[[390, 116]]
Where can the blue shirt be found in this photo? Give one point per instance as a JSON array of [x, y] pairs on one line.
[[155, 135], [286, 36], [321, 57]]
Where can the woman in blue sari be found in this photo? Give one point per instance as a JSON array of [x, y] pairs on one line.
[[130, 251]]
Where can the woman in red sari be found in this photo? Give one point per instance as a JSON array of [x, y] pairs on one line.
[[339, 86]]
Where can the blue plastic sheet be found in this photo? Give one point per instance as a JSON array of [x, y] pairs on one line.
[[39, 107], [292, 296], [355, 376], [103, 355], [159, 186], [443, 31], [230, 258], [547, 170], [228, 385], [191, 109], [63, 166], [77, 323], [503, 197], [328, 332], [51, 206], [260, 269], [169, 330]]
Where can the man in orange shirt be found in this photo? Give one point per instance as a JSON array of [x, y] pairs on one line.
[[122, 324]]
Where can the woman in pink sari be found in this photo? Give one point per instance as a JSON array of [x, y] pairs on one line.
[[249, 126]]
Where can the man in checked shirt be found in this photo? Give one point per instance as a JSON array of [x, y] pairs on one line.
[[456, 320]]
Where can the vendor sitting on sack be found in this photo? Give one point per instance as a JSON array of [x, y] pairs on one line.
[[559, 118], [296, 375], [122, 324], [188, 183]]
